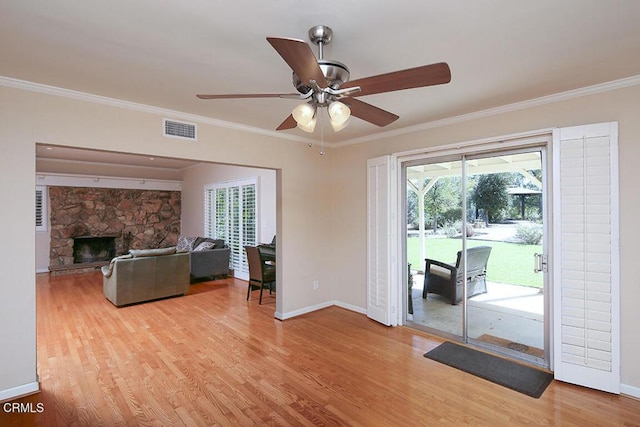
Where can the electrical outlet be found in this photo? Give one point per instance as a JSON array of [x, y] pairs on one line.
[[315, 285]]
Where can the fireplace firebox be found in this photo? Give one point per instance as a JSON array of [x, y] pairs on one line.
[[93, 249]]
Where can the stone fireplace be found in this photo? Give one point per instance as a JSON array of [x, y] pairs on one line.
[[91, 223]]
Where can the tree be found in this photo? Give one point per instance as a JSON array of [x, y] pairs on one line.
[[491, 195], [530, 204], [442, 196]]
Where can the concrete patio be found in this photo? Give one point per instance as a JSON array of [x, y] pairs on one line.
[[507, 315]]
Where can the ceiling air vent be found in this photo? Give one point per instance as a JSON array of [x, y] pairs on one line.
[[176, 129]]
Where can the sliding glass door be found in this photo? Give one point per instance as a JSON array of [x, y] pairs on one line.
[[475, 250]]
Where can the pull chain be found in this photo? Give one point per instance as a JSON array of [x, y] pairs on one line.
[[321, 135]]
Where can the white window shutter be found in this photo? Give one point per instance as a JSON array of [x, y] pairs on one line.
[[381, 253], [231, 214], [42, 217], [586, 261], [219, 223]]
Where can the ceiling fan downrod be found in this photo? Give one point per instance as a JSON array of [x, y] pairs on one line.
[[320, 35], [336, 73]]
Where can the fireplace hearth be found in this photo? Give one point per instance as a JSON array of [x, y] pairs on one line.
[[93, 249]]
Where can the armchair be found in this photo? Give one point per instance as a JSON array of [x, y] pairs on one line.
[[446, 280]]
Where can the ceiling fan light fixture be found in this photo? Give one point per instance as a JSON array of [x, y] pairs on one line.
[[308, 127], [303, 114], [339, 114], [338, 127]]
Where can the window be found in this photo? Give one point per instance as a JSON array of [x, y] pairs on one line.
[[41, 208], [231, 214]]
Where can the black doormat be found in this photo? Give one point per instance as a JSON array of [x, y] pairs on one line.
[[518, 377]]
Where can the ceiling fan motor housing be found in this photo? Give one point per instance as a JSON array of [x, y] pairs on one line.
[[335, 72]]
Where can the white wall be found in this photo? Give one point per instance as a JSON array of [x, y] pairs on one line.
[[43, 256], [194, 180], [17, 259], [623, 105]]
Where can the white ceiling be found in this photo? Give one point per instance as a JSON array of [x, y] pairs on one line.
[[161, 53]]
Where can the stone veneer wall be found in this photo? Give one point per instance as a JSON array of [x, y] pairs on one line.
[[138, 219]]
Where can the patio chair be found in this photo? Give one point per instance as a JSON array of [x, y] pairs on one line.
[[446, 280]]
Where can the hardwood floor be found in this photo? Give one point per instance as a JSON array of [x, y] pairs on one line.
[[212, 358]]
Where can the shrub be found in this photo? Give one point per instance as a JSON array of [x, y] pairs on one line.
[[452, 229], [529, 234]]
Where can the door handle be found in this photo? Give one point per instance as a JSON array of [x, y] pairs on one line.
[[540, 263]]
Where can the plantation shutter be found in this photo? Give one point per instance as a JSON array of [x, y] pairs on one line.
[[247, 223], [41, 208], [586, 277], [231, 215], [381, 255], [209, 210], [235, 229], [220, 224]]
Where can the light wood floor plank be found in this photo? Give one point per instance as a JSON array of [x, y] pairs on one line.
[[212, 358]]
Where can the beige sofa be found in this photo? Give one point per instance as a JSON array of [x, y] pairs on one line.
[[144, 275]]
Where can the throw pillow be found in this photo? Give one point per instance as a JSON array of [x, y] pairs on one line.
[[185, 244], [204, 246]]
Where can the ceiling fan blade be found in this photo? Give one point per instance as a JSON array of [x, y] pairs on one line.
[[299, 56], [250, 95], [369, 113], [426, 75], [289, 123]]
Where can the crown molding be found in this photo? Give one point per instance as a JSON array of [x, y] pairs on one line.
[[544, 100], [536, 102], [112, 102]]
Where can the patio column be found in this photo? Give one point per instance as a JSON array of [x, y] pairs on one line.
[[420, 192]]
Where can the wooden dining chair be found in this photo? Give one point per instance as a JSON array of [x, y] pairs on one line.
[[260, 273]]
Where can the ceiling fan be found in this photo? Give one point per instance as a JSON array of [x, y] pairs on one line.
[[324, 83]]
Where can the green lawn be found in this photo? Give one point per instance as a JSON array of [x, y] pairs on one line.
[[509, 262]]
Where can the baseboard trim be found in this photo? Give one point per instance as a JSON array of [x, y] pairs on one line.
[[351, 307], [20, 391], [311, 308], [630, 390], [305, 310]]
